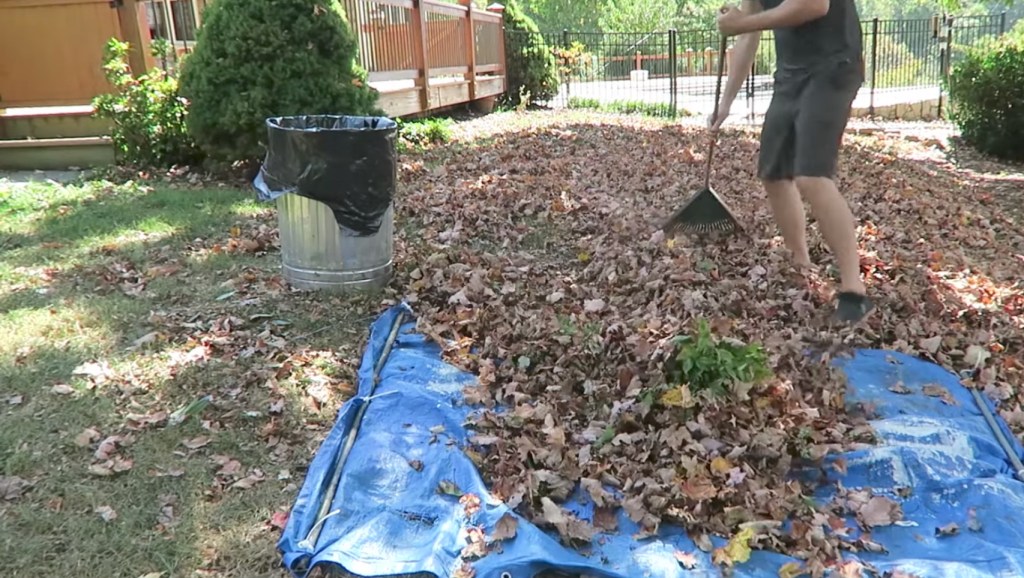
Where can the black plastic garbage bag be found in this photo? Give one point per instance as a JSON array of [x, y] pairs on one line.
[[348, 163]]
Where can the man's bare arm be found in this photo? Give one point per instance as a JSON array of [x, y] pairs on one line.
[[788, 14], [742, 54]]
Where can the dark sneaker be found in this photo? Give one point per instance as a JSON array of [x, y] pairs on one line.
[[852, 307]]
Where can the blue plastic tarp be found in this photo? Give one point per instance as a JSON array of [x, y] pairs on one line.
[[387, 517]]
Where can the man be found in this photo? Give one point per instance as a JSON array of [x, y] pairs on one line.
[[820, 68]]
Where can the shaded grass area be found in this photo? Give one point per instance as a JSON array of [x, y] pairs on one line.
[[120, 304]]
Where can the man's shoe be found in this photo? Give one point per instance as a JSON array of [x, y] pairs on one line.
[[852, 307]]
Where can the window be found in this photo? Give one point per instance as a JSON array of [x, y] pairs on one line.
[[181, 14]]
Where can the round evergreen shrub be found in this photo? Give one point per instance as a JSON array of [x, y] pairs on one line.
[[986, 90], [255, 59], [531, 67]]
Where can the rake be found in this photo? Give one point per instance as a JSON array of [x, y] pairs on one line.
[[706, 212]]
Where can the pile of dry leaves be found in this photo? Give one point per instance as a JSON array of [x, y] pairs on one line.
[[536, 259]]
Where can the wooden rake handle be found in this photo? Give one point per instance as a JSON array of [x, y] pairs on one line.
[[718, 96]]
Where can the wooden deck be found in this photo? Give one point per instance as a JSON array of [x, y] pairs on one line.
[[421, 55], [425, 55]]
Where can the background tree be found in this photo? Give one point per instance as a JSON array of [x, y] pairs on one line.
[[638, 15]]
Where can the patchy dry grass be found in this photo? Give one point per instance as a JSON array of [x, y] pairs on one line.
[[120, 304]]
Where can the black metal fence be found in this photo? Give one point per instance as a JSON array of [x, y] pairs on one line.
[[666, 73]]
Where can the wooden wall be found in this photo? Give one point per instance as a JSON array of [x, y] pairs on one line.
[[51, 51]]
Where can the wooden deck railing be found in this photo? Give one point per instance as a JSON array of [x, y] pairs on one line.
[[424, 54], [427, 54]]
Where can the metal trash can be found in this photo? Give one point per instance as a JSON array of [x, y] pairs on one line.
[[333, 178]]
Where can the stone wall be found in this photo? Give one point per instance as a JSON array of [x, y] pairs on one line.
[[910, 111]]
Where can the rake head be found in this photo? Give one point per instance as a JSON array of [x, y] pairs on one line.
[[704, 213]]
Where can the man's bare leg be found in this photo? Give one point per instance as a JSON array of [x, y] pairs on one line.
[[836, 223], [788, 209]]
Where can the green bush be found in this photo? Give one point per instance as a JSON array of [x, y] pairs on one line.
[[419, 133], [255, 59], [147, 114], [986, 89], [532, 68]]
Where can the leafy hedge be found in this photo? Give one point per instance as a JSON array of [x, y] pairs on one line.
[[986, 91], [255, 59]]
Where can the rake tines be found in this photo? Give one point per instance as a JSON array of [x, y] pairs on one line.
[[704, 213]]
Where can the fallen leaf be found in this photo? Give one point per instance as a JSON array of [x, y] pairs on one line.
[[107, 513], [86, 438], [12, 487], [449, 488], [951, 529], [793, 570], [880, 511], [935, 390], [470, 504], [249, 481], [699, 489], [594, 305], [279, 520], [900, 388], [146, 339], [688, 560], [973, 523], [464, 571], [931, 344], [107, 447], [196, 443], [976, 356], [505, 528], [736, 550], [476, 545], [62, 389]]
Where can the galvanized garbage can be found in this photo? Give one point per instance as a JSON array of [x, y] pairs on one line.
[[333, 178], [315, 254]]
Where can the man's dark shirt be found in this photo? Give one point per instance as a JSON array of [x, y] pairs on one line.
[[831, 39]]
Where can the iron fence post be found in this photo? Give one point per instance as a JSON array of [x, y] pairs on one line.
[[946, 63], [1002, 23], [874, 65], [750, 91], [673, 71], [565, 46]]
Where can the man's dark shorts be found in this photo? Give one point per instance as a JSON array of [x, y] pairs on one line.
[[803, 127]]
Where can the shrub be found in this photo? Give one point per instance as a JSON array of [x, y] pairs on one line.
[[986, 90], [255, 59], [706, 367], [575, 62], [419, 133], [532, 70], [147, 114]]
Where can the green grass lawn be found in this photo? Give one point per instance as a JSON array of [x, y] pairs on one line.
[[120, 304]]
